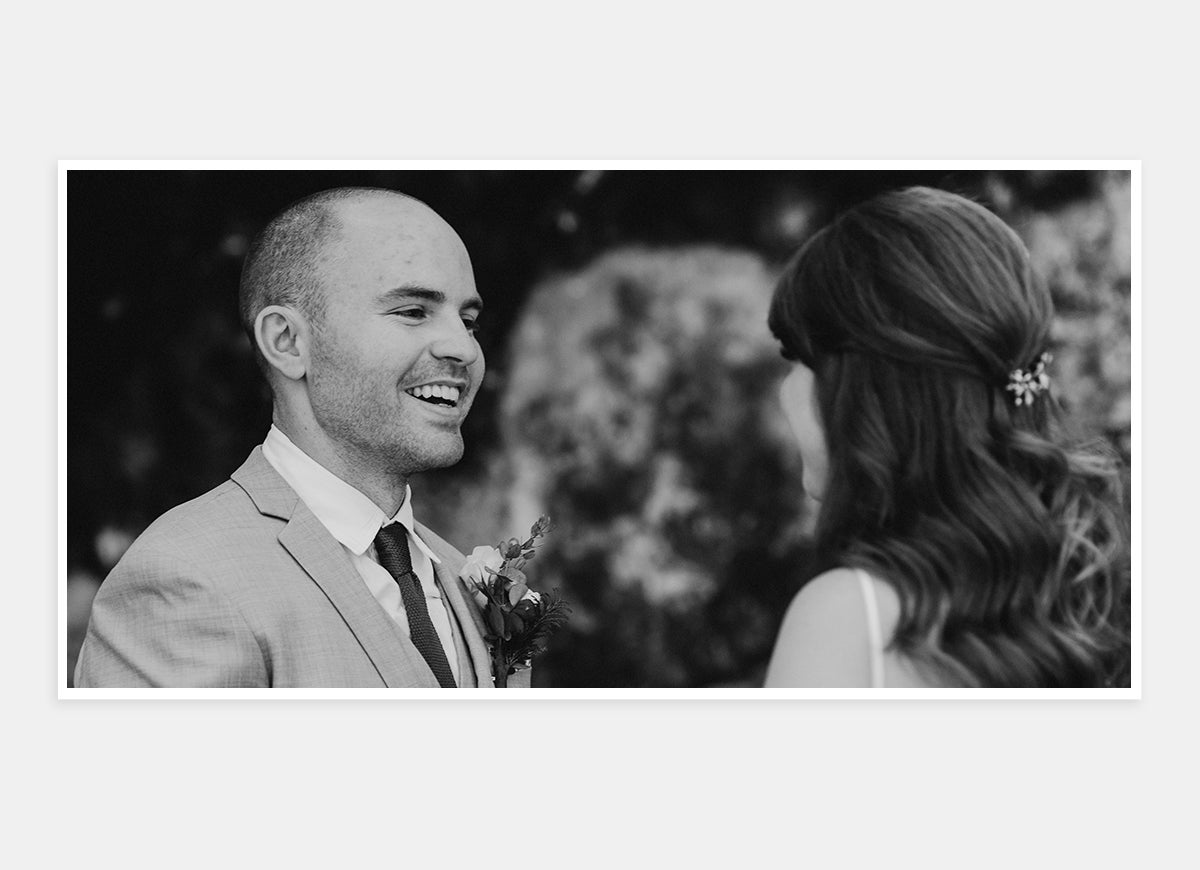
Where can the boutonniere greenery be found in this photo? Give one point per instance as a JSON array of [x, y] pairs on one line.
[[519, 620]]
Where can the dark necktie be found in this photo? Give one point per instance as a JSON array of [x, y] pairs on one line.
[[391, 545]]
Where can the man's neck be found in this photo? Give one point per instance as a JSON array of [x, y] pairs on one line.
[[385, 489]]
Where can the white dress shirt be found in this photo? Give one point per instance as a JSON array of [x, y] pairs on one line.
[[354, 520]]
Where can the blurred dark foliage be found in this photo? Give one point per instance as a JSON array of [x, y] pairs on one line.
[[163, 399]]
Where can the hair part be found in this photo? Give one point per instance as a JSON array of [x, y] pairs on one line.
[[1002, 534]]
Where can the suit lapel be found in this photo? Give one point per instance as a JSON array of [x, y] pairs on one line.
[[467, 678], [462, 605], [395, 658]]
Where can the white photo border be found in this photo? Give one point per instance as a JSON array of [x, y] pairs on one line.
[[1133, 692]]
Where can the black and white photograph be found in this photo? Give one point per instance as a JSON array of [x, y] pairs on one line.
[[662, 429], [513, 436]]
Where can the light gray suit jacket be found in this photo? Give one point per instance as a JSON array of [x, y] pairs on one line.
[[244, 586]]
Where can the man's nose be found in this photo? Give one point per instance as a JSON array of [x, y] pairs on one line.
[[455, 342]]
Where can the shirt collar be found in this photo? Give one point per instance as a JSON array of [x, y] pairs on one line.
[[404, 516], [351, 517]]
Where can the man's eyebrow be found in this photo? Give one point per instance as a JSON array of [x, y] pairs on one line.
[[418, 292]]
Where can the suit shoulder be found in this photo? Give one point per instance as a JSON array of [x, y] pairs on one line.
[[222, 505], [207, 525]]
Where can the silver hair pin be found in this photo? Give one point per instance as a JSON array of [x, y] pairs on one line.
[[1028, 385]]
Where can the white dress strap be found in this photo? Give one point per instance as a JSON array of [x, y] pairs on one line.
[[874, 633]]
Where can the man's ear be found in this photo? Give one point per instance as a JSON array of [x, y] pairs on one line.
[[282, 334]]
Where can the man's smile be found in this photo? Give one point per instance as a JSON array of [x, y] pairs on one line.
[[437, 394], [442, 394]]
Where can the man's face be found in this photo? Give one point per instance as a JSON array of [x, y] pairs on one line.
[[394, 364]]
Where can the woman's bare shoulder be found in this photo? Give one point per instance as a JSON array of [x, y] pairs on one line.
[[823, 641]]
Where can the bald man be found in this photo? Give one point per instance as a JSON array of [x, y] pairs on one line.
[[307, 567]]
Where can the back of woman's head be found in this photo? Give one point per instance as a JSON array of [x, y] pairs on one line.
[[1004, 538]]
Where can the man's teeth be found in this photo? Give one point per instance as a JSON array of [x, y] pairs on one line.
[[436, 391]]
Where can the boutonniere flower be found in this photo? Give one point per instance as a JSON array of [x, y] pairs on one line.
[[519, 620]]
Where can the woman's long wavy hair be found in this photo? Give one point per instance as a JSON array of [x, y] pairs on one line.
[[1005, 539]]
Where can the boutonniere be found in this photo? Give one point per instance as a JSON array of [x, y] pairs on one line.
[[519, 620]]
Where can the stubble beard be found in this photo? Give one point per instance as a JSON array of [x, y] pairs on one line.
[[371, 428], [373, 434]]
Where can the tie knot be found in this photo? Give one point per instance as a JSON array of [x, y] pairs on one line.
[[391, 546]]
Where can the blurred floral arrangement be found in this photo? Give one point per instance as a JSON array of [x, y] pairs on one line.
[[640, 410]]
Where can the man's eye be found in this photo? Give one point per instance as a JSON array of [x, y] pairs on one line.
[[412, 313], [471, 324]]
